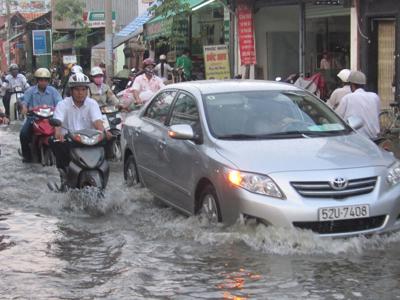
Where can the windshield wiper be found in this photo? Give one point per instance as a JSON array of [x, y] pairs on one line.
[[239, 136], [278, 135]]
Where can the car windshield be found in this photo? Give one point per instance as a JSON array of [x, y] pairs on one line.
[[269, 115]]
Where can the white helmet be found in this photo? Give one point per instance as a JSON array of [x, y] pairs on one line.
[[344, 75], [76, 69], [78, 79], [96, 71], [163, 57]]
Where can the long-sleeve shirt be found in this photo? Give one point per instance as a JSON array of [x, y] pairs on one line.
[[103, 95], [365, 105], [12, 82], [33, 97]]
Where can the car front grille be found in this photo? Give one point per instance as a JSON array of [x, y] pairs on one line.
[[342, 226], [323, 189]]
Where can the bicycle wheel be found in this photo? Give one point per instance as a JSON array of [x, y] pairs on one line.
[[386, 121]]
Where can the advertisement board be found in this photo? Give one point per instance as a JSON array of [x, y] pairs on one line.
[[41, 42], [246, 33], [216, 62]]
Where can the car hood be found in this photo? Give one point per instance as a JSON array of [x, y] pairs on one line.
[[322, 153]]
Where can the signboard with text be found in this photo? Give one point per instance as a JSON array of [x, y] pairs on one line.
[[41, 42], [246, 33], [216, 62], [97, 19]]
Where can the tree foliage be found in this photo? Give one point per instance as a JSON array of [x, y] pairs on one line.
[[179, 11], [72, 10]]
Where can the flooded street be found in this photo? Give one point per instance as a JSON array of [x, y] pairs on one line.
[[130, 246]]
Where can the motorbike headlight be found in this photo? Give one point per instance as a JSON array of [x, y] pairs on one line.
[[44, 113], [393, 176], [255, 183], [86, 140]]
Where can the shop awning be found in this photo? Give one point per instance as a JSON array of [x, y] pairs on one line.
[[137, 23], [118, 40], [63, 43], [161, 25]]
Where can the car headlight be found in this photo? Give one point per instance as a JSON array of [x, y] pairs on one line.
[[393, 176], [255, 183]]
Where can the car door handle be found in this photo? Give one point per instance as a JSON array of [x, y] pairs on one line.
[[162, 144], [138, 131]]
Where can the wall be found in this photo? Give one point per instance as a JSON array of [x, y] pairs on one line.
[[273, 19]]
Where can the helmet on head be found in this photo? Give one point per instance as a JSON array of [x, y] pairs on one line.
[[163, 57], [78, 79], [13, 67], [357, 77], [148, 62], [76, 69], [344, 75], [42, 73], [96, 71]]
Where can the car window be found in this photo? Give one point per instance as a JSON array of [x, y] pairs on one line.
[[257, 114], [159, 107], [185, 111]]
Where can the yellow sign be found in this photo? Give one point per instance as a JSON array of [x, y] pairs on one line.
[[216, 62]]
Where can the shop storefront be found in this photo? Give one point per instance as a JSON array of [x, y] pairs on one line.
[[206, 25], [380, 47], [302, 37]]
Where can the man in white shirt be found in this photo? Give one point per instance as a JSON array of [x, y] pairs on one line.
[[11, 81], [75, 113], [339, 93], [365, 105]]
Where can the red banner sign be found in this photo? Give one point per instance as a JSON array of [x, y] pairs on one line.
[[246, 32]]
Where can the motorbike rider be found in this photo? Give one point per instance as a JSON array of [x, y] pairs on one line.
[[100, 91], [74, 70], [75, 113], [147, 84], [11, 81], [40, 94], [163, 68]]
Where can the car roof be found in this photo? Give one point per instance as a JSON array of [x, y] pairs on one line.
[[234, 85]]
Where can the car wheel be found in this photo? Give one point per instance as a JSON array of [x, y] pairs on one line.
[[130, 172], [209, 205]]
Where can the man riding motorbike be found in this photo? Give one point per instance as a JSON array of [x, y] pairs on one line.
[[40, 94], [100, 91], [12, 81], [147, 84], [74, 70], [75, 113]]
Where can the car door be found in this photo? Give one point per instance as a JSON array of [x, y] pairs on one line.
[[182, 156], [148, 137]]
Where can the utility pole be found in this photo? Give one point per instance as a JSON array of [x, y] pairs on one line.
[[108, 40], [8, 31]]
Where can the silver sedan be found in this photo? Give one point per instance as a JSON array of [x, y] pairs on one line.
[[265, 150]]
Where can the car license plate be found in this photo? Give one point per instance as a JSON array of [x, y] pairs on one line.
[[343, 212]]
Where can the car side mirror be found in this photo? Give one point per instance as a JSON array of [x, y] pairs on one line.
[[55, 122], [183, 132], [355, 122]]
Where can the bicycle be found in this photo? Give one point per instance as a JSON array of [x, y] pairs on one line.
[[390, 118]]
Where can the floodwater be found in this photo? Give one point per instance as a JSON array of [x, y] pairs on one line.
[[130, 246]]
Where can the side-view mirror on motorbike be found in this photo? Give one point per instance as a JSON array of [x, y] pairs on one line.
[[116, 121], [55, 122]]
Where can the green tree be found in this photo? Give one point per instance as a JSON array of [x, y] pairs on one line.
[[72, 10], [179, 11]]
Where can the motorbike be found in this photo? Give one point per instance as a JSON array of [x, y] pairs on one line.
[[15, 99], [42, 131], [120, 84], [88, 166], [111, 113]]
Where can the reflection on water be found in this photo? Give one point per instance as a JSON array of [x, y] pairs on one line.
[[51, 248]]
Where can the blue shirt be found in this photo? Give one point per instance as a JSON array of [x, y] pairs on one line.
[[33, 97]]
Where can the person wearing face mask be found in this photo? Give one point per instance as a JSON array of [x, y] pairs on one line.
[[100, 91], [147, 84]]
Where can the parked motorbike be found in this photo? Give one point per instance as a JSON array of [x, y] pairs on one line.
[[88, 166], [178, 75], [42, 131], [15, 99], [110, 116]]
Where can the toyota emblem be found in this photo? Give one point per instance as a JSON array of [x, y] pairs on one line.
[[339, 183]]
